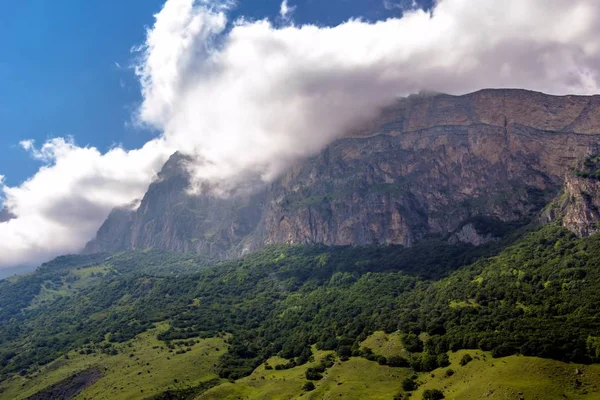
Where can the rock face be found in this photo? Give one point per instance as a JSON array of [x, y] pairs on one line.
[[577, 207], [427, 165], [471, 235], [170, 218]]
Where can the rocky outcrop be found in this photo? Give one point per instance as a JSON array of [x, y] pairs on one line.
[[168, 217], [115, 232], [577, 207], [427, 165], [470, 235]]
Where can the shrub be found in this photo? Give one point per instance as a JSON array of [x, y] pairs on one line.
[[449, 372], [433, 394], [308, 386], [344, 351], [465, 360], [409, 384], [443, 360], [412, 343], [396, 361], [504, 350], [313, 375]]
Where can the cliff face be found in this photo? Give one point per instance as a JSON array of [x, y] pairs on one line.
[[427, 165], [577, 207], [169, 218]]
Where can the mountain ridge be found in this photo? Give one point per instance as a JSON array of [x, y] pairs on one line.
[[425, 166]]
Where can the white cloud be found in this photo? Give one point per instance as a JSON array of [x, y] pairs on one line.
[[60, 208], [247, 98], [400, 4], [285, 10], [253, 97]]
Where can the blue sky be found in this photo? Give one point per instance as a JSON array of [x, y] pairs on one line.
[[59, 73]]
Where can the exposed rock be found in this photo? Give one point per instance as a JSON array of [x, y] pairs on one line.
[[168, 217], [577, 207], [115, 232], [469, 234], [427, 165]]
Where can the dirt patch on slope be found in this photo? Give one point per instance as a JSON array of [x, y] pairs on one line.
[[70, 387]]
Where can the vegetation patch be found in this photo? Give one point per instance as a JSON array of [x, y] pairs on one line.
[[142, 368], [590, 168]]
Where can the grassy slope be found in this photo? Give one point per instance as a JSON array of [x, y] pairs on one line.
[[513, 377], [125, 377], [356, 378], [386, 345], [498, 378]]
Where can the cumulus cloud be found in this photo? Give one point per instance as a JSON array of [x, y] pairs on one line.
[[247, 98], [285, 10], [60, 208]]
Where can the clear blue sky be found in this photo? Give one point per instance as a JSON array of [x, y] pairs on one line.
[[58, 71]]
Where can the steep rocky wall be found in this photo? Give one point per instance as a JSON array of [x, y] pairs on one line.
[[400, 188], [425, 166], [577, 207]]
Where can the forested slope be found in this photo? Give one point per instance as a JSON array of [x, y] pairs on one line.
[[533, 293]]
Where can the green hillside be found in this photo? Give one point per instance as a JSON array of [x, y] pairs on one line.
[[526, 306], [142, 367]]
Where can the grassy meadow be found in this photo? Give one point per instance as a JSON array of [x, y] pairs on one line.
[[143, 367]]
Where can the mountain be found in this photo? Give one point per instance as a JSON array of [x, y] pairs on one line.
[[451, 245], [428, 165]]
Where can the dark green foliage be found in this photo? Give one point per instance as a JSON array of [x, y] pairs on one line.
[[426, 362], [503, 350], [308, 386], [590, 168], [530, 298], [538, 296], [442, 360], [281, 367], [188, 393], [465, 360], [398, 362], [304, 357], [312, 374], [433, 394], [449, 372], [409, 384], [412, 343]]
